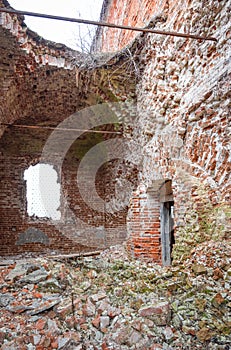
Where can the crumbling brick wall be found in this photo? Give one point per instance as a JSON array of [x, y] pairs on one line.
[[134, 13], [41, 86], [183, 123]]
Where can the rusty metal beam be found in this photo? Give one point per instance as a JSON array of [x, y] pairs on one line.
[[22, 126], [110, 25]]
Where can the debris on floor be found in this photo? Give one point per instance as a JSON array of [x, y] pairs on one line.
[[110, 301]]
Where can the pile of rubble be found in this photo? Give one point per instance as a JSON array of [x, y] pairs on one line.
[[112, 302]]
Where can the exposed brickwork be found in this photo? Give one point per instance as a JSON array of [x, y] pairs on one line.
[[43, 83], [144, 224], [65, 235], [133, 13], [183, 121], [182, 125], [185, 96]]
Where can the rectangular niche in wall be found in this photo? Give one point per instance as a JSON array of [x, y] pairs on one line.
[[42, 191]]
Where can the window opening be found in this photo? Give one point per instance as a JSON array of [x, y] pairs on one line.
[[42, 191]]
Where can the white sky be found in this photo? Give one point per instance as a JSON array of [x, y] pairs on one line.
[[43, 191], [60, 31]]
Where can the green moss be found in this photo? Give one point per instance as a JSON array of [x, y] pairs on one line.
[[204, 222]]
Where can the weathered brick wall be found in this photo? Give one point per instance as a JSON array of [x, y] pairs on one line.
[[184, 122], [133, 13], [26, 61], [144, 225], [39, 88], [80, 227], [15, 221], [182, 126]]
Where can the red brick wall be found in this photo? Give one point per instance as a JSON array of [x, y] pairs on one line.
[[183, 122], [38, 88], [182, 125], [133, 13], [96, 230], [14, 218], [144, 224]]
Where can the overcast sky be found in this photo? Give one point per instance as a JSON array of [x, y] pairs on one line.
[[59, 31]]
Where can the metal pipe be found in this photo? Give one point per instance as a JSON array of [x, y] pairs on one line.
[[105, 24], [58, 128]]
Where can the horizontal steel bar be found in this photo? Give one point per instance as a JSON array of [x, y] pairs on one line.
[[105, 24]]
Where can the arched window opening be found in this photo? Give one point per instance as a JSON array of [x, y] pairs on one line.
[[42, 191]]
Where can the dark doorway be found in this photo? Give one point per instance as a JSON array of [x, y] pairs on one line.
[[167, 231], [167, 222]]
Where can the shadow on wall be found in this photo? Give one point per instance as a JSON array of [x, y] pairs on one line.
[[32, 235]]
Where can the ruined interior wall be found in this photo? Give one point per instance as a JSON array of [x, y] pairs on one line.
[[184, 125], [39, 88], [32, 75], [24, 54], [182, 129], [80, 227], [20, 233]]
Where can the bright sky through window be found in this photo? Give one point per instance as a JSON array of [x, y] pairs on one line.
[[42, 191], [59, 31]]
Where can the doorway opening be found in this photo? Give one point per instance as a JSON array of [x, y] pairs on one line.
[[166, 222]]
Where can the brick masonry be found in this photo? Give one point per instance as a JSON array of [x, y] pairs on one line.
[[42, 85], [183, 123], [182, 127]]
